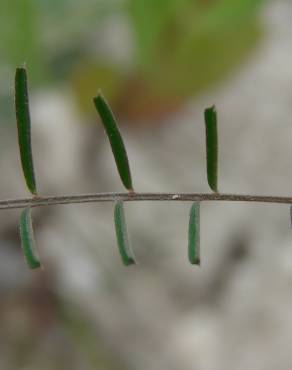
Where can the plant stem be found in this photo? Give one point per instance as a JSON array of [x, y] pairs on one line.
[[113, 197]]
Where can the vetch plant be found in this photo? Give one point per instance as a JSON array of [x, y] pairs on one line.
[[212, 146], [27, 239], [122, 162], [116, 141], [194, 234], [122, 235], [23, 126]]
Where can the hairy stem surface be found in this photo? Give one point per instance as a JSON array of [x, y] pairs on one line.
[[127, 197]]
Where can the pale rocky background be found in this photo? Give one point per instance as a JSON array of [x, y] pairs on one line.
[[88, 311]]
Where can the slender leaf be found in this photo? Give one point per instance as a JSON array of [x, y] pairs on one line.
[[23, 126], [122, 235], [211, 146], [115, 138], [194, 234], [291, 215], [27, 239]]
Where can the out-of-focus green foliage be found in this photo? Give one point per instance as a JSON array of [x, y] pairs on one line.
[[40, 33], [179, 46], [184, 44], [181, 22], [20, 34], [89, 76]]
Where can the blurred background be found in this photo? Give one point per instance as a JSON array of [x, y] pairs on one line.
[[159, 63]]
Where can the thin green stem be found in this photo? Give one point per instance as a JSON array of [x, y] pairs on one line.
[[127, 197]]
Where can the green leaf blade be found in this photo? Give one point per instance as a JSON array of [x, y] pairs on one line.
[[212, 147], [122, 235], [115, 139], [27, 239], [194, 235], [24, 128]]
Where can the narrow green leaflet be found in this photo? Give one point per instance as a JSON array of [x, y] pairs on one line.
[[194, 234], [122, 235], [211, 146], [23, 126], [27, 239], [116, 141], [291, 215]]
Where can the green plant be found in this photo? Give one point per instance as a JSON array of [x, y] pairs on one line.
[[186, 36], [121, 158], [179, 47]]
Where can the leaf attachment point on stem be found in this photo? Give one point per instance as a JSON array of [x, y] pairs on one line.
[[211, 147], [27, 239], [115, 138], [23, 127], [122, 235], [194, 234]]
